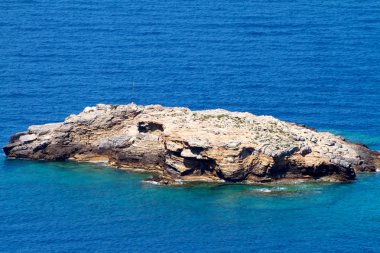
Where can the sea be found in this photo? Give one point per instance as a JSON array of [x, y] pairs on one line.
[[314, 62]]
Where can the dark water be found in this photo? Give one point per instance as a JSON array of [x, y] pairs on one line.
[[312, 62]]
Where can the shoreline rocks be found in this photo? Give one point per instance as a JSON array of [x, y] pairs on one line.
[[210, 145]]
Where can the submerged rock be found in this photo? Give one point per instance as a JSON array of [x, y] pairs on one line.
[[209, 145]]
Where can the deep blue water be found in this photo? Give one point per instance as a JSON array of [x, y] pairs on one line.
[[311, 62]]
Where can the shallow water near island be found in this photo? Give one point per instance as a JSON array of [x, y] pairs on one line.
[[310, 62], [55, 206]]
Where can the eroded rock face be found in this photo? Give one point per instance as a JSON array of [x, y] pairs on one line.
[[210, 145]]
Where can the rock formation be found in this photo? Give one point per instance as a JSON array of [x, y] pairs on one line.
[[183, 145]]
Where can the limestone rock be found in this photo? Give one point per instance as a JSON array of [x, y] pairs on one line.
[[180, 144], [28, 138]]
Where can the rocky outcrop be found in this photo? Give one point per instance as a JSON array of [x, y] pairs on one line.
[[180, 144]]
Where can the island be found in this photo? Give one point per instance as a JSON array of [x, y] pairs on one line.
[[180, 145]]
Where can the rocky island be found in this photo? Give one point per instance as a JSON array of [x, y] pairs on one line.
[[178, 145]]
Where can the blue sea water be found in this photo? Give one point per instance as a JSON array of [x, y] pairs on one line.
[[311, 62]]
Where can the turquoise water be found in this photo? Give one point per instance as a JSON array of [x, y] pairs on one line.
[[311, 62], [66, 207]]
